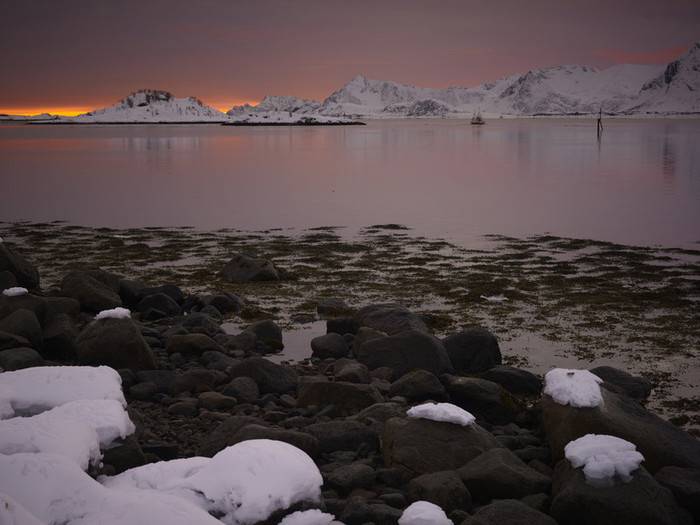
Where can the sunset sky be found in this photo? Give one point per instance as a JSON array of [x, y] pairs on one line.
[[71, 56]]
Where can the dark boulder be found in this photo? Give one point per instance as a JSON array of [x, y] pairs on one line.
[[353, 476], [406, 351], [224, 302], [345, 398], [500, 474], [18, 358], [445, 489], [92, 293], [509, 512], [268, 333], [244, 268], [24, 272], [473, 350], [192, 344], [329, 346], [661, 443], [684, 483], [419, 446], [390, 319], [332, 307], [160, 302], [24, 323], [245, 389], [515, 380], [641, 501], [485, 399], [418, 385], [270, 377], [114, 342], [635, 387], [343, 434], [351, 371]]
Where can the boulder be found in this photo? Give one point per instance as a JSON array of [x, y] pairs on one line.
[[17, 358], [500, 474], [268, 333], [24, 272], [635, 387], [341, 325], [329, 346], [684, 483], [224, 302], [406, 351], [418, 385], [419, 446], [59, 338], [301, 440], [473, 350], [92, 293], [332, 307], [8, 341], [33, 303], [351, 371], [24, 323], [270, 377], [348, 477], [641, 501], [509, 512], [343, 434], [7, 280], [114, 342], [245, 389], [346, 398], [515, 380], [192, 344], [216, 401], [485, 399], [390, 319], [244, 268], [161, 302], [661, 443], [196, 380], [445, 489]]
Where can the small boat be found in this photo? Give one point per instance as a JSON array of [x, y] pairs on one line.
[[477, 120]]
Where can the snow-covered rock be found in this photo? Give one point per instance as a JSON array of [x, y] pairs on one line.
[[603, 458], [150, 105], [424, 513], [445, 412], [308, 517], [244, 483], [275, 118], [55, 491], [577, 388], [33, 390], [114, 313], [76, 430], [13, 513], [15, 291]]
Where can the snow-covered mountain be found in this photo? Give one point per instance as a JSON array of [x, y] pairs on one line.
[[674, 90], [276, 104], [150, 105]]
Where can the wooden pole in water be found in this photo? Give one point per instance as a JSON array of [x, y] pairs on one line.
[[599, 126]]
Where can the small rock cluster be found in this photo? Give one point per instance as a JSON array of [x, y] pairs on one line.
[[193, 390]]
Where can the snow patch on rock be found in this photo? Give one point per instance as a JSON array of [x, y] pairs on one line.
[[603, 457], [114, 313], [15, 291], [33, 390], [577, 388], [445, 412], [308, 517], [424, 513]]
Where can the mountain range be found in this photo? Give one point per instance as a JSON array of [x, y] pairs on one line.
[[627, 89]]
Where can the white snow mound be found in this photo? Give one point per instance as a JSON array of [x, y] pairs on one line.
[[577, 388], [424, 513], [114, 313], [55, 491], [15, 291], [33, 390], [308, 517], [244, 483], [445, 412], [12, 513], [603, 457], [76, 430]]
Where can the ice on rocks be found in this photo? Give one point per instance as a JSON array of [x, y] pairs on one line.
[[577, 388], [33, 390], [603, 457], [424, 513], [445, 412], [308, 517], [114, 313], [244, 483], [76, 430], [15, 291], [54, 490]]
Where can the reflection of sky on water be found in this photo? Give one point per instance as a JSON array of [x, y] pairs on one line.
[[638, 184]]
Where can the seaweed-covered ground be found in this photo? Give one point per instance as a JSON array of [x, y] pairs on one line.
[[551, 301]]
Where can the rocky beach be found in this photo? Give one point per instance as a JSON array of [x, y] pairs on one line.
[[332, 342]]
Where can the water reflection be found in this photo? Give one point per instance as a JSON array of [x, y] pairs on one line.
[[443, 177]]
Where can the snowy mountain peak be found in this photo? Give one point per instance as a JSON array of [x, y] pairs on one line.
[[277, 104]]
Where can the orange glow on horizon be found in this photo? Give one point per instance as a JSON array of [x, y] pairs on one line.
[[71, 111]]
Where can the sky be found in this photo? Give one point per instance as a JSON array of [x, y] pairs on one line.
[[69, 56]]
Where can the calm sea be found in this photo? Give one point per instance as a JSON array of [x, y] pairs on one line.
[[638, 184]]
